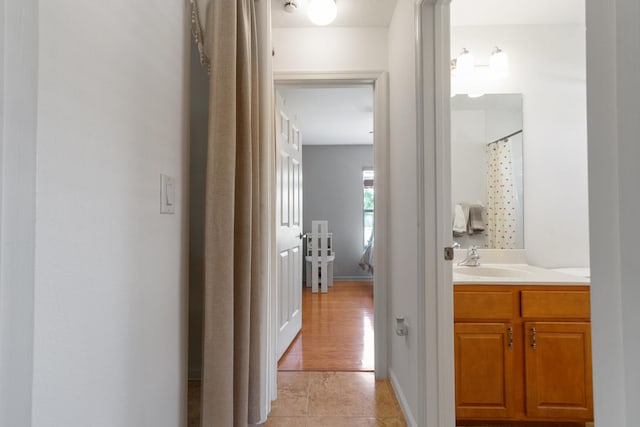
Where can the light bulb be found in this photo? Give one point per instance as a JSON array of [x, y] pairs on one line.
[[499, 64], [475, 94], [322, 12], [465, 64]]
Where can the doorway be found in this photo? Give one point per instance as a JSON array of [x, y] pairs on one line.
[[378, 83], [368, 390], [505, 106], [331, 128]]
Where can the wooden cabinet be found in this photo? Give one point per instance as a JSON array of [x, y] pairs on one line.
[[558, 370], [484, 370], [523, 353]]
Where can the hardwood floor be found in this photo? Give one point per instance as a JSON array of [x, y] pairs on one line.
[[337, 331]]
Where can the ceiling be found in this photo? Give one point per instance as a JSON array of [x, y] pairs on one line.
[[351, 13], [517, 12], [332, 116], [378, 13], [335, 116]]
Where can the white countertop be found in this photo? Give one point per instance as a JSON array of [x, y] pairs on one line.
[[510, 267], [507, 274]]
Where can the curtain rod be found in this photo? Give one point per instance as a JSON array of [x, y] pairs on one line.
[[506, 137]]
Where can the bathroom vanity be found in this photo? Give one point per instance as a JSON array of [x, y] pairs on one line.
[[522, 346]]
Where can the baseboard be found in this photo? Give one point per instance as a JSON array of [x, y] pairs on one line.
[[346, 279], [352, 278], [402, 400]]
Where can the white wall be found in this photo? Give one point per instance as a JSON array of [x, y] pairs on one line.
[[18, 119], [548, 68], [330, 49], [110, 293], [332, 188], [403, 232], [613, 55]]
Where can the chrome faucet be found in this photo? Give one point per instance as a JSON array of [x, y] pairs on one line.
[[472, 259]]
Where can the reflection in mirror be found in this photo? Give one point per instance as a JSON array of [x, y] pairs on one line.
[[487, 171]]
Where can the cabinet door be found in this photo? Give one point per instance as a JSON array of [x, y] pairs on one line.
[[484, 370], [558, 370]]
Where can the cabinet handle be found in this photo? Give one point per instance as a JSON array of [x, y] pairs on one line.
[[510, 335], [534, 334]]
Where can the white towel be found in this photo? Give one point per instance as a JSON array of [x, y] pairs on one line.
[[459, 221]]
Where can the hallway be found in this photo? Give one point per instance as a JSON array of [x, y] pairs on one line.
[[326, 376], [337, 331]]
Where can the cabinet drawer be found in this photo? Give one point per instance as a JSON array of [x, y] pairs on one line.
[[483, 305], [561, 304]]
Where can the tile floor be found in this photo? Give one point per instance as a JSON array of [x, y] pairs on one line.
[[336, 399], [325, 399]]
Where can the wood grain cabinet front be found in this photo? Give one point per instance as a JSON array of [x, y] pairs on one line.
[[558, 370], [484, 370], [523, 353]]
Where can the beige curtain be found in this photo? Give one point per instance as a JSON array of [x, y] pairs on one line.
[[226, 34]]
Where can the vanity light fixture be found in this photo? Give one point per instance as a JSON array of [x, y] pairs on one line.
[[472, 79], [322, 12], [465, 66], [499, 64]]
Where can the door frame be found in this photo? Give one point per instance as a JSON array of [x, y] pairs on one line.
[[379, 81], [436, 367]]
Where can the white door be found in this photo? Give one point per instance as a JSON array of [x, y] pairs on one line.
[[288, 226]]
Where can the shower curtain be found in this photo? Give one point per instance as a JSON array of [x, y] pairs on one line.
[[501, 209], [234, 268]]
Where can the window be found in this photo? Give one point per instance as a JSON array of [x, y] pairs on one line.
[[367, 203]]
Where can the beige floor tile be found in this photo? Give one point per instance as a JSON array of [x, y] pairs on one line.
[[350, 394], [285, 422], [354, 422], [391, 422], [387, 403], [293, 390], [341, 422]]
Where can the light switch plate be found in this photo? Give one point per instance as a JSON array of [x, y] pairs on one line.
[[167, 194]]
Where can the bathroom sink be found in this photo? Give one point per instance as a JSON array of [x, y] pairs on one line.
[[485, 271]]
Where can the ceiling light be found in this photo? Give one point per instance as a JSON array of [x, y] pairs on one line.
[[322, 12], [499, 64], [291, 6]]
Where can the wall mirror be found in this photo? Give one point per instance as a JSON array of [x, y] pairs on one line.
[[487, 171]]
